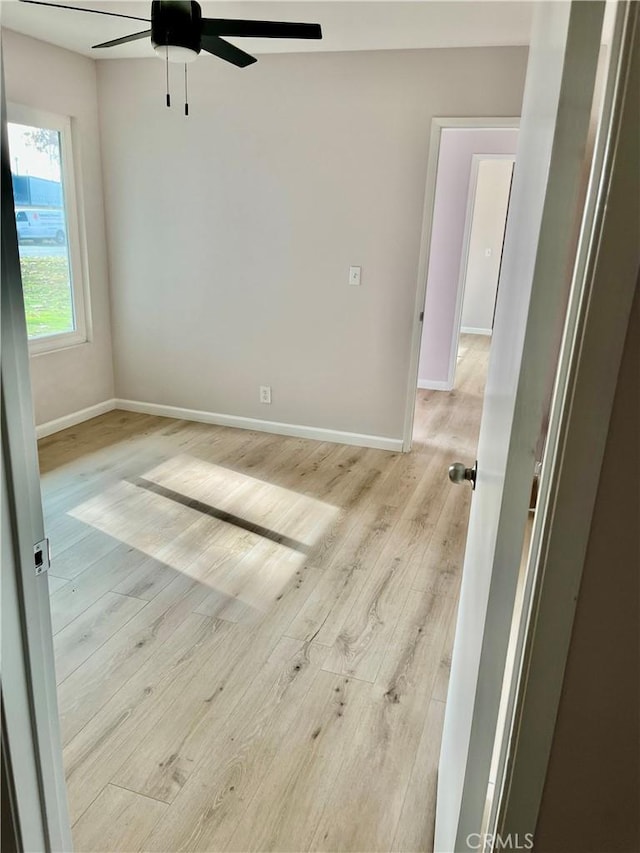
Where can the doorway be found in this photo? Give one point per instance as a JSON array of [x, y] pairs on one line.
[[457, 146], [485, 222], [487, 209]]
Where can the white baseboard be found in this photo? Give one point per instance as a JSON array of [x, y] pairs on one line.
[[319, 434], [434, 385], [48, 428], [471, 330]]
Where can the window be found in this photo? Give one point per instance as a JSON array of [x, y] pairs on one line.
[[47, 226]]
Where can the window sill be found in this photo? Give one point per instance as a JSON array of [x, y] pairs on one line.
[[47, 346]]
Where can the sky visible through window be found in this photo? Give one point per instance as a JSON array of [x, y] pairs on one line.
[[27, 159], [41, 223]]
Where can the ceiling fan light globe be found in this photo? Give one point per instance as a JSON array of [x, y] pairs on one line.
[[175, 53]]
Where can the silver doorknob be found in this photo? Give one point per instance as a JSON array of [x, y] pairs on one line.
[[459, 473]]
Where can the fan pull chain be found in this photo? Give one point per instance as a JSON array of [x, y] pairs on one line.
[[168, 95], [186, 100]]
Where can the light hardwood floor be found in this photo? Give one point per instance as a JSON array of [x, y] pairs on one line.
[[253, 633]]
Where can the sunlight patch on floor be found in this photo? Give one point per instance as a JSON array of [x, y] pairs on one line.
[[242, 537]]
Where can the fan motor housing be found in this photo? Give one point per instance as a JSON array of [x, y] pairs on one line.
[[177, 24]]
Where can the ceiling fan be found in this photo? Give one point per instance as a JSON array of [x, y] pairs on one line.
[[179, 32]]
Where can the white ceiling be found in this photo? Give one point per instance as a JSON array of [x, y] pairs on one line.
[[353, 25]]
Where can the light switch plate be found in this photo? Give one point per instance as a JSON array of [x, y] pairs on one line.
[[354, 275]]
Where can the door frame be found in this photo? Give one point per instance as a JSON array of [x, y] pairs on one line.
[[561, 80], [438, 124], [31, 724], [608, 262]]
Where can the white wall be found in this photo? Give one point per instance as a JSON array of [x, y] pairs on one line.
[[231, 232], [45, 77], [487, 234], [440, 331]]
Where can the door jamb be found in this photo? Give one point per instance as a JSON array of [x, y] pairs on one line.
[[438, 124], [31, 721], [589, 365]]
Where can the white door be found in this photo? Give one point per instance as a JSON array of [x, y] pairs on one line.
[[538, 251], [32, 750]]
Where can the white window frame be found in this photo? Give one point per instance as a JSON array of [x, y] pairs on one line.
[[32, 117]]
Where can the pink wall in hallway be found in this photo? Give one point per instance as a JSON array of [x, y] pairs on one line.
[[457, 146]]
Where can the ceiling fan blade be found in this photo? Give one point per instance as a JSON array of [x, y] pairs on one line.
[[123, 40], [260, 29], [79, 9], [220, 47]]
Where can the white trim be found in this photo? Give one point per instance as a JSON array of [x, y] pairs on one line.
[[31, 720], [547, 202], [471, 330], [20, 114], [437, 125], [298, 430], [66, 421], [583, 399], [379, 442], [434, 385]]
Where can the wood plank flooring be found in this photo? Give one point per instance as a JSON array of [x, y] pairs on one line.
[[253, 632]]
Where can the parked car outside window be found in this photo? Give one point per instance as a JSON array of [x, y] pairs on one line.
[[41, 224]]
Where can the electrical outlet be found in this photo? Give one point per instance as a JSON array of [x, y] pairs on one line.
[[265, 393]]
